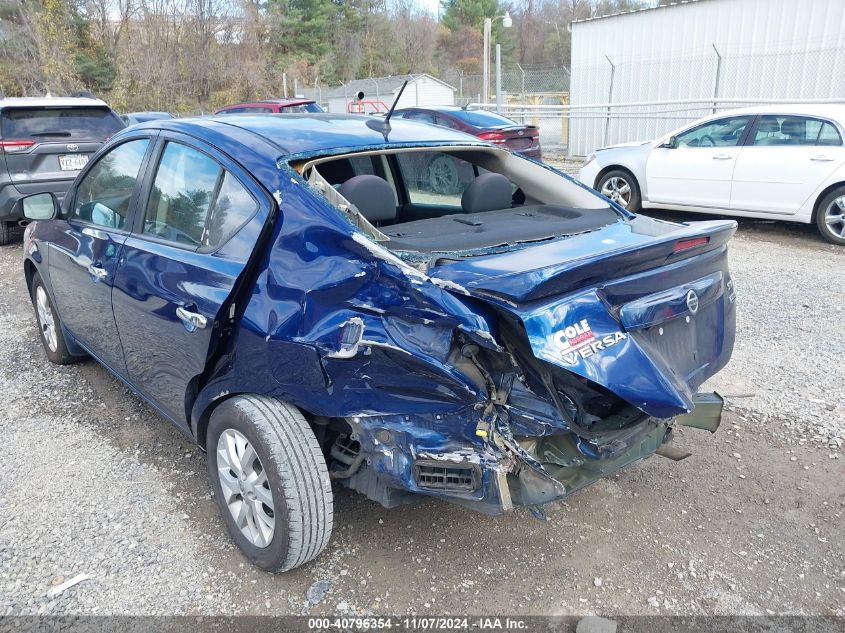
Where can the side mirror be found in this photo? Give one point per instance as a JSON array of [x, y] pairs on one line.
[[40, 206], [670, 143]]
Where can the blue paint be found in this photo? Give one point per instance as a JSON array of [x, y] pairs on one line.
[[285, 297]]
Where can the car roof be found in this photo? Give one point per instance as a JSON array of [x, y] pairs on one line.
[[62, 102], [313, 134], [824, 110]]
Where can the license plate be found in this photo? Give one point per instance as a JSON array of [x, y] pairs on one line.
[[72, 162]]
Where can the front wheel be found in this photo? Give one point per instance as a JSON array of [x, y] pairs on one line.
[[621, 187], [830, 218], [270, 480], [49, 326]]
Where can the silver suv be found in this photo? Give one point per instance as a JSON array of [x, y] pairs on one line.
[[44, 142]]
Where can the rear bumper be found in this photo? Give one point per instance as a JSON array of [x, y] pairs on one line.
[[11, 193], [532, 152], [492, 474]]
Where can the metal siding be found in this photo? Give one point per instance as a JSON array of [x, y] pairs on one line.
[[770, 49]]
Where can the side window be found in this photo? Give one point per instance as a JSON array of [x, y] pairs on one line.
[[444, 122], [194, 201], [719, 133], [828, 135], [795, 130], [103, 196], [233, 207], [434, 177], [234, 111]]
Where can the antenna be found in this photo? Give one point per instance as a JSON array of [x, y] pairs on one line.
[[393, 107], [383, 125]]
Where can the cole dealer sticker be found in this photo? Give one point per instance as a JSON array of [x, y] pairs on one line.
[[578, 341]]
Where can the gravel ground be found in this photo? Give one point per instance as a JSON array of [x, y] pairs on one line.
[[95, 483]]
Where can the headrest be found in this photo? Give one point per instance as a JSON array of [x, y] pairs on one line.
[[373, 197], [487, 192], [792, 127], [768, 124]]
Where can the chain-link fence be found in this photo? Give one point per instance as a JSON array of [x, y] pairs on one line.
[[523, 83], [623, 101]]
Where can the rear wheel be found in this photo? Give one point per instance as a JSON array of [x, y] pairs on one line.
[[270, 480], [830, 218], [49, 326], [621, 187]]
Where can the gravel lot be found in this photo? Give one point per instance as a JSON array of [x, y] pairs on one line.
[[94, 482]]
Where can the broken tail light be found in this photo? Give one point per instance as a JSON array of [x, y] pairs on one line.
[[12, 146]]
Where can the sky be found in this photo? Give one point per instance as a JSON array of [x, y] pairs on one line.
[[429, 5]]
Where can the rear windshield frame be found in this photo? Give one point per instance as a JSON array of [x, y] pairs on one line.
[[96, 128]]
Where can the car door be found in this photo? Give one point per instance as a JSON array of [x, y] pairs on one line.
[[697, 170], [84, 255], [180, 266], [785, 162]]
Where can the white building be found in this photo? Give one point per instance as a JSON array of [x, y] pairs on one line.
[[701, 49], [380, 92]]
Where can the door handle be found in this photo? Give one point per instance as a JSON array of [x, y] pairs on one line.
[[722, 156], [97, 273], [821, 158], [192, 320]]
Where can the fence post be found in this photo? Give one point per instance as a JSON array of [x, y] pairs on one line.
[[499, 78], [609, 99], [718, 75]]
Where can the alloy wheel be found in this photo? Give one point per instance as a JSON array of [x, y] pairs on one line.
[[443, 175], [834, 217], [45, 319], [245, 488], [617, 189]]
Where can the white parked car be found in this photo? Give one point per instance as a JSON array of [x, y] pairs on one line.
[[784, 162]]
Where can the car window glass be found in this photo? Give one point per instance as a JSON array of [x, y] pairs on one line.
[[183, 189], [104, 194], [91, 123], [232, 208], [719, 133], [425, 117], [828, 135], [794, 130], [435, 177], [444, 122]]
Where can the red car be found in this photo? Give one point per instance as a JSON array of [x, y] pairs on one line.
[[270, 106], [489, 126]]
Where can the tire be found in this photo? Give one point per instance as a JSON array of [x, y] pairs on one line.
[[49, 325], [830, 217], [10, 232], [288, 468], [613, 185], [443, 176]]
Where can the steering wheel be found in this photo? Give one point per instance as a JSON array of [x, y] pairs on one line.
[[707, 141]]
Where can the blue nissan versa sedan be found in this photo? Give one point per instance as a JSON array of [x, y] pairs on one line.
[[292, 294]]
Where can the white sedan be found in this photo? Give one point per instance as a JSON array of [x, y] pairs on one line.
[[784, 162]]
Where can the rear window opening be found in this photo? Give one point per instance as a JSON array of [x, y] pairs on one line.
[[44, 124], [456, 201]]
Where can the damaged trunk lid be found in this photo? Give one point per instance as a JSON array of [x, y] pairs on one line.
[[644, 308]]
